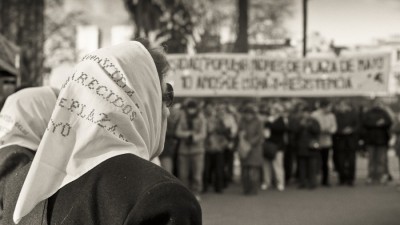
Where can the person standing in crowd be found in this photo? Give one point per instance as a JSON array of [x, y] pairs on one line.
[[376, 135], [392, 116], [250, 149], [230, 123], [327, 122], [171, 141], [396, 146], [274, 167], [293, 128], [345, 142], [192, 130], [93, 163], [23, 121], [217, 141], [308, 149]]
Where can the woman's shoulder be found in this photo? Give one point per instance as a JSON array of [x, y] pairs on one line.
[[129, 167], [122, 186]]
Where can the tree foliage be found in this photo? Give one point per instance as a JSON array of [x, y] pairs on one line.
[[60, 33], [22, 22], [267, 17], [199, 22], [170, 19]]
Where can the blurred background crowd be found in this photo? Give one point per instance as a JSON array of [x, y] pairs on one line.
[[274, 143]]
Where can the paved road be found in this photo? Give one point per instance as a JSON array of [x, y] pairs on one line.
[[360, 205]]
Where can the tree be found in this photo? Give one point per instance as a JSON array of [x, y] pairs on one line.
[[260, 20], [242, 43], [267, 17], [170, 19], [60, 33], [209, 18], [22, 22]]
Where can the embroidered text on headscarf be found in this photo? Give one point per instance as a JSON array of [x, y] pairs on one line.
[[101, 119], [5, 122]]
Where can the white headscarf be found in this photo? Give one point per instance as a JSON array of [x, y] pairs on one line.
[[111, 105], [25, 115]]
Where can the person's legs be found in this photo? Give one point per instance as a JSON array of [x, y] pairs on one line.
[[219, 172], [335, 156], [371, 163], [341, 165], [183, 161], [325, 166], [228, 166], [302, 168], [351, 166], [207, 175], [398, 157], [381, 166], [245, 179], [312, 171], [254, 175], [197, 170], [351, 160], [387, 175], [267, 169], [288, 165], [277, 165], [340, 158]]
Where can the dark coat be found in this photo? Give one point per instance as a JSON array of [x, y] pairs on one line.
[[346, 119], [293, 129], [254, 135], [278, 130], [12, 158], [374, 133], [171, 140], [122, 190], [309, 132]]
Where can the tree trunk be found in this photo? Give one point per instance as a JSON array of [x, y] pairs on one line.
[[242, 44], [22, 22]]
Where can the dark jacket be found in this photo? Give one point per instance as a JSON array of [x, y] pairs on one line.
[[122, 190], [309, 132], [12, 158], [293, 129], [278, 130], [374, 133], [254, 135], [347, 119], [171, 140]]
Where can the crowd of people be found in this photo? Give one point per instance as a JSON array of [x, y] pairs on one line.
[[278, 143]]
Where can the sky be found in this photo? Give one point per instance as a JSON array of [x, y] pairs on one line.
[[348, 22]]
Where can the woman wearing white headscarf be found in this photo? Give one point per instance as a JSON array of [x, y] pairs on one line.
[[23, 121], [93, 164]]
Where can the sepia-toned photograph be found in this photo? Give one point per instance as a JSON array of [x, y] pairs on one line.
[[199, 112]]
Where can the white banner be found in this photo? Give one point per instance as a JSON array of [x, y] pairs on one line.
[[244, 75]]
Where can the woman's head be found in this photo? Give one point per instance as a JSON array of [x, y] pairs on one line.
[[249, 112], [192, 107], [25, 116], [111, 105], [277, 109], [158, 55]]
